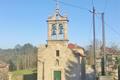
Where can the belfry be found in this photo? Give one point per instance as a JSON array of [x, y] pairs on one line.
[[57, 27], [58, 59]]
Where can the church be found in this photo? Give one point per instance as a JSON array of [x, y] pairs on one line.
[[59, 59]]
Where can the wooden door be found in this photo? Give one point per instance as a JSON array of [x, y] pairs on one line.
[[57, 75]]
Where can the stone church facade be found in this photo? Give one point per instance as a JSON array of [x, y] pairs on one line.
[[59, 60]]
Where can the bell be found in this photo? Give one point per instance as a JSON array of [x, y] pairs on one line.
[[53, 33], [61, 29], [61, 32]]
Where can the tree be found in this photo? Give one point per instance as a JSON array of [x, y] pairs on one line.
[[20, 57]]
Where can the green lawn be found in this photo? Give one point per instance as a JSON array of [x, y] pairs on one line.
[[16, 74], [21, 72]]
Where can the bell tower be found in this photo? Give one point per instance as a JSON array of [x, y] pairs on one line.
[[57, 27]]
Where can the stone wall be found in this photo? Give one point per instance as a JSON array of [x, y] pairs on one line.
[[4, 69], [106, 78]]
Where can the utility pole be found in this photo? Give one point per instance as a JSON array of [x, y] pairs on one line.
[[103, 66], [94, 41]]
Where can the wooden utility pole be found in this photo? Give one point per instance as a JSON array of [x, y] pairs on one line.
[[94, 41], [103, 67]]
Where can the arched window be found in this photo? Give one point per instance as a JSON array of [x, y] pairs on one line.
[[61, 29], [54, 29], [57, 62]]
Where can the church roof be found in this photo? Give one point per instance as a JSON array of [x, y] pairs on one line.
[[112, 51], [76, 48], [73, 46]]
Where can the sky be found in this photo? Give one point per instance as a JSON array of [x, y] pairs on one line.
[[24, 21]]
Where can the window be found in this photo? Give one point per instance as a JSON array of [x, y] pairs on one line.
[[57, 53]]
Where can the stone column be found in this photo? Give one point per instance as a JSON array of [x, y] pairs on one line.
[[9, 76], [65, 31], [40, 70], [49, 31], [57, 31]]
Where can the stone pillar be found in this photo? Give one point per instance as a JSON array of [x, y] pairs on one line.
[[40, 69], [9, 76], [57, 31], [65, 31], [49, 31]]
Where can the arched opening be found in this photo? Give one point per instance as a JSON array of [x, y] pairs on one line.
[[53, 34], [57, 62], [61, 31]]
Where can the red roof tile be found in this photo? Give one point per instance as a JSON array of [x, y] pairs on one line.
[[71, 46]]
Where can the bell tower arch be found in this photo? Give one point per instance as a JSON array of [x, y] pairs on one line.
[[57, 29], [57, 26]]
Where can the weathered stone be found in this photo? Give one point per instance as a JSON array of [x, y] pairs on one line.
[[57, 57], [106, 78]]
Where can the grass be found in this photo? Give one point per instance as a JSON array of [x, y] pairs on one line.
[[17, 73], [21, 72]]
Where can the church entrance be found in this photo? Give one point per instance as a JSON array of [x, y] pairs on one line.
[[57, 75]]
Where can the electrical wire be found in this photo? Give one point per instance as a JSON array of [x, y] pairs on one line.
[[75, 6], [112, 29], [72, 5], [90, 31]]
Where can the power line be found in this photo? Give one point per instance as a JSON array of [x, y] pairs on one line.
[[75, 6], [79, 7], [110, 27], [90, 30], [72, 5], [113, 29]]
